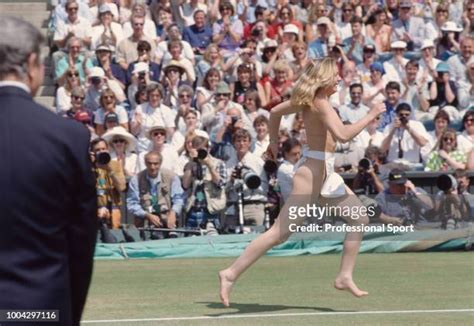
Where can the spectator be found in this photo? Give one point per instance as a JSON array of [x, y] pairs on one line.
[[466, 88], [407, 28], [434, 26], [318, 16], [112, 70], [73, 27], [110, 182], [321, 45], [374, 88], [458, 62], [188, 10], [165, 19], [108, 31], [354, 45], [184, 105], [380, 32], [254, 199], [262, 139], [445, 155], [270, 54], [149, 27], [428, 62], [191, 123], [343, 25], [205, 93], [175, 49], [300, 53], [443, 93], [448, 45], [74, 59], [205, 179], [367, 181], [185, 157], [246, 82], [290, 37], [371, 136], [468, 20], [211, 59], [286, 17], [172, 81], [392, 91], [363, 69], [276, 88], [98, 82], [108, 103], [349, 77], [402, 199], [77, 103], [253, 107], [125, 11], [199, 34], [140, 79], [404, 137], [291, 150], [250, 11], [441, 122], [127, 48], [355, 110], [228, 30], [245, 56], [395, 67], [63, 94], [163, 52], [415, 92], [144, 56], [157, 136], [122, 146], [155, 195], [466, 138], [149, 114]]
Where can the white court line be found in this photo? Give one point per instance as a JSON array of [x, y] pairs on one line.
[[295, 314]]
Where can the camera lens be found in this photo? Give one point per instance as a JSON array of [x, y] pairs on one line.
[[102, 158], [364, 164], [201, 154]]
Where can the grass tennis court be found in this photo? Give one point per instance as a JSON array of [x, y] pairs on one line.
[[298, 290]]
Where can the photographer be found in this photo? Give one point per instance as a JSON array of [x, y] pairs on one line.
[[243, 167], [205, 178], [403, 200], [110, 182], [155, 195], [403, 138], [98, 82], [453, 202], [366, 180]]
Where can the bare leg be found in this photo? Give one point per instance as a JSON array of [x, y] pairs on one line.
[[350, 249], [305, 181]]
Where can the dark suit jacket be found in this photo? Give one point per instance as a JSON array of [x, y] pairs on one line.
[[48, 221]]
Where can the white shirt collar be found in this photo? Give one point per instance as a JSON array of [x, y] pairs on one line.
[[11, 83]]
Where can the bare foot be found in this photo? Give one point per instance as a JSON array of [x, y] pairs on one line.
[[347, 284], [226, 287]]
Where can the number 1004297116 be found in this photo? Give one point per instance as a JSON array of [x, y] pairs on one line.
[[28, 315]]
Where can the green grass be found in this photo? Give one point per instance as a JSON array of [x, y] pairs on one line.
[[188, 287]]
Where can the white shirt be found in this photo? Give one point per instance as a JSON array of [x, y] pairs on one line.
[[411, 150], [97, 32], [465, 142], [162, 115], [131, 160], [261, 146], [63, 100], [99, 115], [170, 157], [394, 71], [353, 113], [285, 179], [162, 51], [149, 29], [81, 28]]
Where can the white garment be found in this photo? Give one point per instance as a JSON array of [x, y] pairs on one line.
[[261, 146], [285, 178], [394, 71], [81, 28], [411, 150], [99, 115], [162, 51], [170, 157], [131, 160], [63, 100], [465, 142], [149, 29], [97, 32]]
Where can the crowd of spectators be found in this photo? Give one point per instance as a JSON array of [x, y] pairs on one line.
[[159, 81]]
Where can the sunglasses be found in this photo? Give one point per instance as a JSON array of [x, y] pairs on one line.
[[156, 133], [441, 10], [347, 10], [470, 120], [223, 94], [119, 140], [73, 9], [448, 139], [77, 97], [137, 24], [184, 96], [73, 74], [108, 97], [404, 115]]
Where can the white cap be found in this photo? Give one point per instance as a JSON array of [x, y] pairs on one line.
[[201, 133], [291, 28], [105, 8], [269, 43], [398, 45], [96, 72], [323, 21], [451, 27], [140, 67], [427, 44]]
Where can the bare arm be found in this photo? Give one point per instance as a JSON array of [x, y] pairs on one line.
[[344, 133], [277, 112]]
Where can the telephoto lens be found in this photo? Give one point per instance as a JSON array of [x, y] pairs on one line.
[[365, 164], [446, 182], [102, 158]]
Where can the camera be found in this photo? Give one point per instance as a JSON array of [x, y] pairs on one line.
[[234, 120], [250, 178], [102, 158], [142, 74], [446, 182], [404, 120], [365, 164], [96, 80], [256, 32], [201, 155]]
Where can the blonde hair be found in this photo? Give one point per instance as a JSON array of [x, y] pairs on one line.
[[317, 75]]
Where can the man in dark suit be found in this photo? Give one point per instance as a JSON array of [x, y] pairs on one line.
[[48, 222]]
